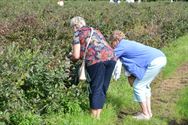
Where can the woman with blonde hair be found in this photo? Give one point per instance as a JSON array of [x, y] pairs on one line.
[[99, 59], [143, 63]]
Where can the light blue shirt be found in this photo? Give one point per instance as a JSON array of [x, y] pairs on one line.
[[136, 57]]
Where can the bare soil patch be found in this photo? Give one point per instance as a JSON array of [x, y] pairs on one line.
[[166, 94]]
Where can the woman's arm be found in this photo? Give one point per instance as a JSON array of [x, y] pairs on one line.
[[76, 47], [120, 48], [76, 52], [131, 79]]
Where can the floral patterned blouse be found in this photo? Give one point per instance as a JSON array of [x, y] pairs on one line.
[[98, 49]]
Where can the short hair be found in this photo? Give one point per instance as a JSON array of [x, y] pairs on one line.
[[78, 21], [117, 35]]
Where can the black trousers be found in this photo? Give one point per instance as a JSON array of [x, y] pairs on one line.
[[100, 75]]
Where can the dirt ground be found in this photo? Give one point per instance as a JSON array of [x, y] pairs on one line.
[[166, 93]]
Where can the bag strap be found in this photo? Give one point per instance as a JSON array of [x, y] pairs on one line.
[[88, 44]]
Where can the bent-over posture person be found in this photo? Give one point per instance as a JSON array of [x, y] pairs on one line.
[[100, 61], [143, 64]]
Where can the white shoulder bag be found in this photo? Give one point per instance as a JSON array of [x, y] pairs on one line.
[[82, 72]]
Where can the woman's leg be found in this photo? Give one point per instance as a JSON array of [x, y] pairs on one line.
[[100, 75], [142, 90], [96, 96], [139, 88], [143, 106], [94, 113], [148, 106], [98, 113], [154, 68], [109, 67]]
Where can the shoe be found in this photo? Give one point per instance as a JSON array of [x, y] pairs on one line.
[[138, 113], [141, 116]]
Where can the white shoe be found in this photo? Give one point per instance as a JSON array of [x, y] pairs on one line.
[[138, 113], [141, 116]]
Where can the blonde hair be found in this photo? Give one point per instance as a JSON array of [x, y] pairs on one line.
[[78, 21], [116, 36]]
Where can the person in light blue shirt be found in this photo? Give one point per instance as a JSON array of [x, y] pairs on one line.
[[143, 63]]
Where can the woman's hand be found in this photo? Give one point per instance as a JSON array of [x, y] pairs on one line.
[[71, 57], [131, 79]]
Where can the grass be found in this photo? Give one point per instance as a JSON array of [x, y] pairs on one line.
[[176, 55], [83, 118], [182, 106]]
